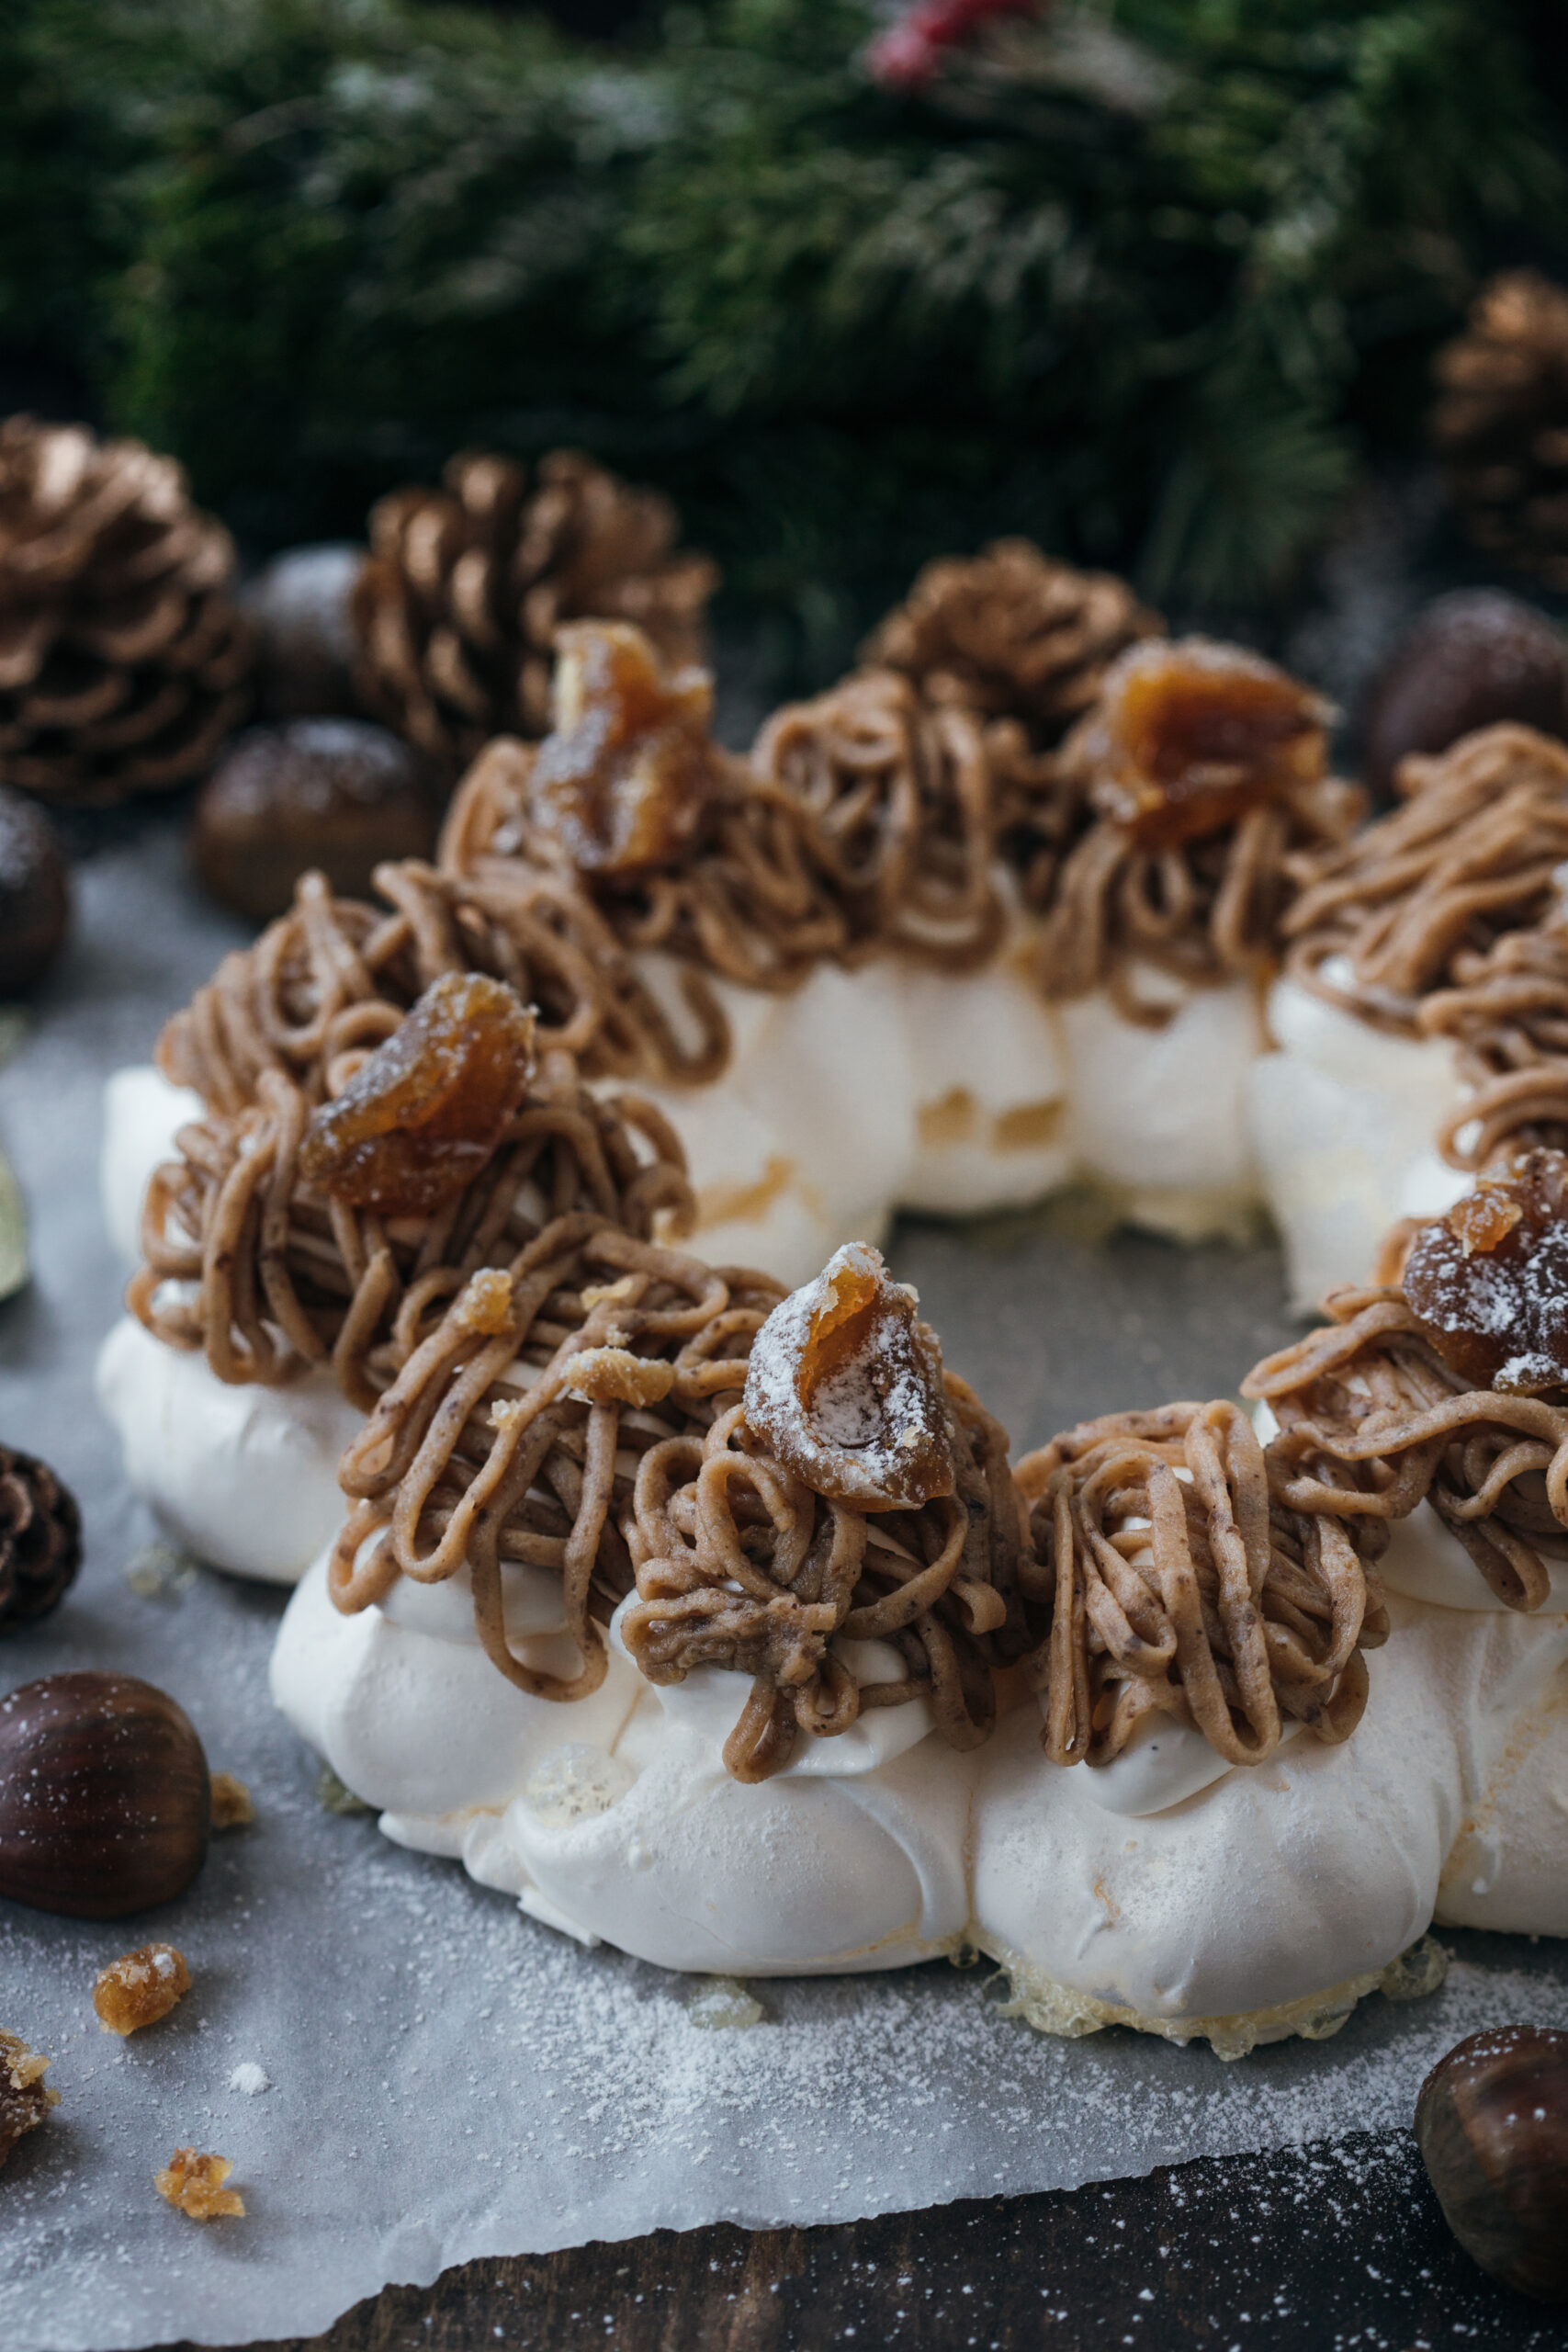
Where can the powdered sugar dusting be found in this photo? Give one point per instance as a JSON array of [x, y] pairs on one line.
[[845, 1385], [454, 2080], [451, 2061]]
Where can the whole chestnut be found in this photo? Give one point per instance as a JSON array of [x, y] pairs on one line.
[[105, 1796], [298, 606], [334, 793], [1473, 658], [35, 893], [1492, 2126]]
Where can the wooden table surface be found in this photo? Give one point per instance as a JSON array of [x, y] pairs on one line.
[[1337, 2245]]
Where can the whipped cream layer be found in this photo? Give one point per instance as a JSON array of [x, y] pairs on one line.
[[1157, 1115], [1264, 1903], [1426, 1562], [800, 1143], [613, 1818], [143, 1114], [243, 1477], [1168, 1891], [1343, 1118], [990, 1085]]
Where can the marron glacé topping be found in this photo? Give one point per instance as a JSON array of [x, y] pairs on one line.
[[1489, 1282], [422, 1116], [1195, 735], [623, 779]]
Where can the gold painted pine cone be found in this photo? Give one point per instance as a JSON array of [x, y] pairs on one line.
[[1501, 423], [123, 662], [1012, 634], [457, 609]]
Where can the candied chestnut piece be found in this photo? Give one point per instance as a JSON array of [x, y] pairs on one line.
[[623, 778], [232, 1806], [193, 2184], [1492, 2126], [140, 1988], [424, 1113], [1488, 1283], [1189, 735], [336, 794], [35, 894], [25, 2097], [845, 1386]]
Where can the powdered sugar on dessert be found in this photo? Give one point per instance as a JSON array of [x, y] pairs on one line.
[[845, 1385]]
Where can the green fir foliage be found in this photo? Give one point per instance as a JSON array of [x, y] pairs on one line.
[[1141, 279]]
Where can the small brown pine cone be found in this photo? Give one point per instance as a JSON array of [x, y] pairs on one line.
[[1013, 634], [40, 1539], [123, 662], [457, 609], [1501, 423]]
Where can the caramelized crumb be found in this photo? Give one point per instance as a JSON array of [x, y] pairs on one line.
[[24, 2098], [1191, 735], [616, 1377], [609, 1294], [485, 1305], [621, 780], [140, 1988], [424, 1113], [845, 1386], [232, 1806], [1489, 1282], [195, 2184]]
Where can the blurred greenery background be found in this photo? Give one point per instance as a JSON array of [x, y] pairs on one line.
[[1154, 282]]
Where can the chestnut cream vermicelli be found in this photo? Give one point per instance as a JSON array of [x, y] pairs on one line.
[[1182, 1582], [1507, 1013], [1472, 854], [1373, 1421], [586, 1411], [272, 1265]]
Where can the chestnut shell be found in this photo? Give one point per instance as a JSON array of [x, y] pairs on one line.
[[1473, 658], [335, 794], [1492, 2126], [35, 894], [105, 1796]]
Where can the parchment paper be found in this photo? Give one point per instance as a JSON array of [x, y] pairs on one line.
[[448, 2078]]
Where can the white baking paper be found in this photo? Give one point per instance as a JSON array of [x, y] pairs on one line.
[[446, 2078]]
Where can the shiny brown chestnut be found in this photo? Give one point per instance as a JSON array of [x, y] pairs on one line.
[[298, 606], [337, 794], [1471, 659], [1492, 2126], [35, 894], [105, 1796]]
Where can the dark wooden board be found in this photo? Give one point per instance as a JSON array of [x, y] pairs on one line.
[[1337, 2245]]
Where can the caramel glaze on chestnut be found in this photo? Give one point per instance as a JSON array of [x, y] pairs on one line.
[[1492, 2126], [105, 1796]]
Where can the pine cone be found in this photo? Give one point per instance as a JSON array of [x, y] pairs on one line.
[[123, 662], [1501, 423], [1012, 633], [40, 1539], [457, 607]]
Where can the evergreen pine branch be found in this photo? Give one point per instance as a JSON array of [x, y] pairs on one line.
[[1120, 277]]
